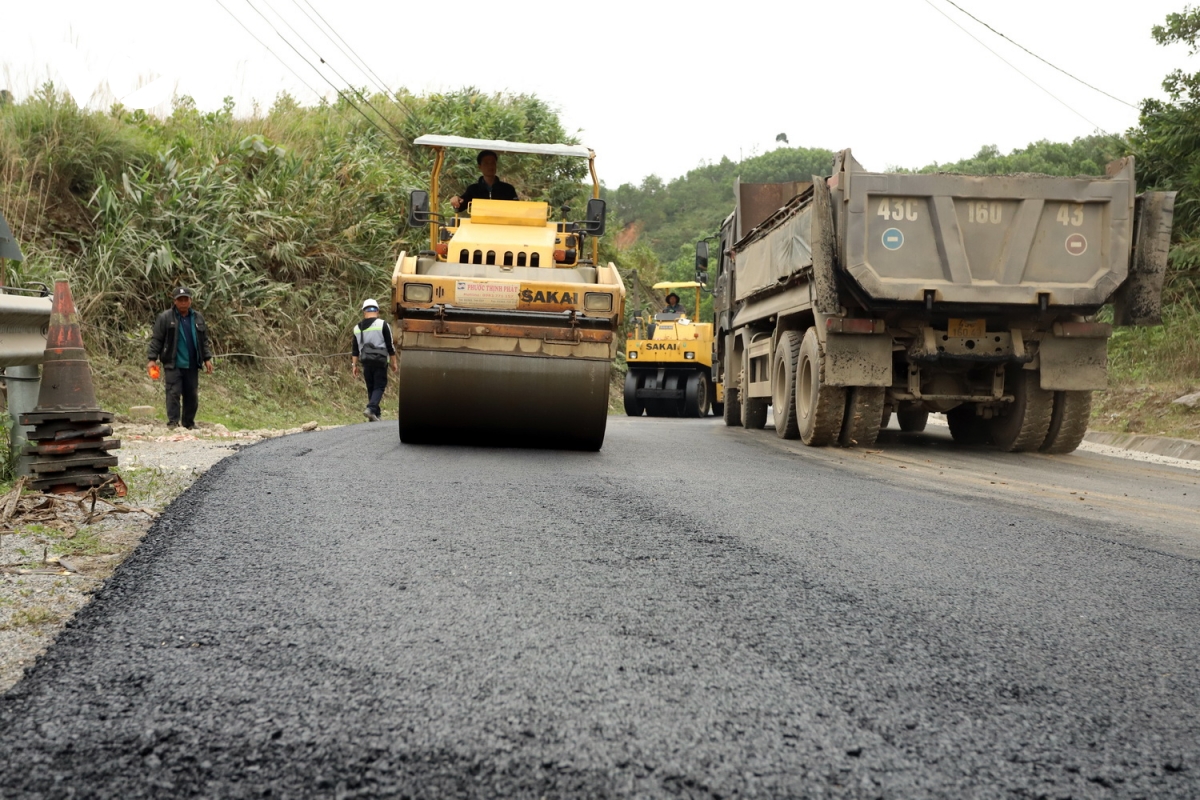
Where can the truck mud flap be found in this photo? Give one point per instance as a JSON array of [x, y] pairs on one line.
[[858, 359], [1139, 300], [1073, 364], [824, 249]]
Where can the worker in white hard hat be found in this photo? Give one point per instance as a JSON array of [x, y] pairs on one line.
[[371, 348]]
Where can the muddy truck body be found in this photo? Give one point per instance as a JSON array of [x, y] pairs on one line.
[[842, 302]]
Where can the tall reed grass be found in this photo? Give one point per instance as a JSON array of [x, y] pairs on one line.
[[281, 223]]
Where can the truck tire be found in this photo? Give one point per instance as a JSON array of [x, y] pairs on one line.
[[754, 412], [819, 408], [864, 410], [783, 385], [732, 413], [912, 420], [967, 427], [695, 396], [633, 406], [1068, 422], [1027, 420], [754, 409]]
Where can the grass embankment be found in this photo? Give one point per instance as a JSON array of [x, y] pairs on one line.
[[243, 396], [1148, 369]]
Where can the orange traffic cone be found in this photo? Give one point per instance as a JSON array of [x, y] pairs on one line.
[[66, 372], [68, 444]]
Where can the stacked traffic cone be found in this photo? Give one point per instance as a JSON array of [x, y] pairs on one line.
[[68, 444]]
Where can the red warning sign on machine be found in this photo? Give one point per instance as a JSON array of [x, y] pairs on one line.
[[1076, 244]]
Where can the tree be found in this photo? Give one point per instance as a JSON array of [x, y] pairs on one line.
[[1086, 155], [1167, 139], [1166, 144], [675, 215]]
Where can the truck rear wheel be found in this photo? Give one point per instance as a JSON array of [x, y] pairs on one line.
[[1068, 421], [912, 420], [864, 410], [754, 412], [695, 396], [732, 412], [1027, 419], [633, 406], [966, 426], [754, 409], [783, 385], [819, 408]]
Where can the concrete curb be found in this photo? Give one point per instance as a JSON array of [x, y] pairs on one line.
[[1157, 445]]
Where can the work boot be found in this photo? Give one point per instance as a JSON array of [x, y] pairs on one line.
[[367, 413], [374, 417]]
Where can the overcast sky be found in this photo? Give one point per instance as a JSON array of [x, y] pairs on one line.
[[653, 87]]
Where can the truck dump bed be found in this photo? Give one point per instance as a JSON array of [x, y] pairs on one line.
[[992, 240]]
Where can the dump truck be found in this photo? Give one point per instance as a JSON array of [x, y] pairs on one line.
[[842, 301], [507, 323], [670, 363]]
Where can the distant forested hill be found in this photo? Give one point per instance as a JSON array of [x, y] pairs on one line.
[[672, 216], [1086, 155]]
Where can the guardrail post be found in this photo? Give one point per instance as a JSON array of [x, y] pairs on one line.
[[22, 399]]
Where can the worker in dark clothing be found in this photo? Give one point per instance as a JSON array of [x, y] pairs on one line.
[[488, 187], [673, 305], [180, 341], [372, 348]]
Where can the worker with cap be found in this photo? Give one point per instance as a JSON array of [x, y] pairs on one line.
[[180, 341], [673, 306], [371, 348], [488, 187]]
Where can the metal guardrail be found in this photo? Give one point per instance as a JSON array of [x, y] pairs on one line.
[[24, 322]]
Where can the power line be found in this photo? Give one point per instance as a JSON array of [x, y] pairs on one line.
[[340, 93], [354, 59], [1010, 64], [293, 71], [353, 55], [341, 77], [268, 49], [1039, 58]]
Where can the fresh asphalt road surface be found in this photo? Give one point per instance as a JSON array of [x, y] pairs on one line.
[[695, 611]]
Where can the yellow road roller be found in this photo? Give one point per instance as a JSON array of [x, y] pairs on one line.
[[507, 323], [670, 363]]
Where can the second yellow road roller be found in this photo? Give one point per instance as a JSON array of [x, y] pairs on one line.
[[670, 362], [507, 323]]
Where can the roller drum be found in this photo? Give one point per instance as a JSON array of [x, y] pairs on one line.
[[505, 400]]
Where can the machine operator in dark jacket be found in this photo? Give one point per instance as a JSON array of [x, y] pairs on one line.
[[488, 187], [180, 342]]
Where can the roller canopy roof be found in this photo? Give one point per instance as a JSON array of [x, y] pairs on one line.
[[500, 145]]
